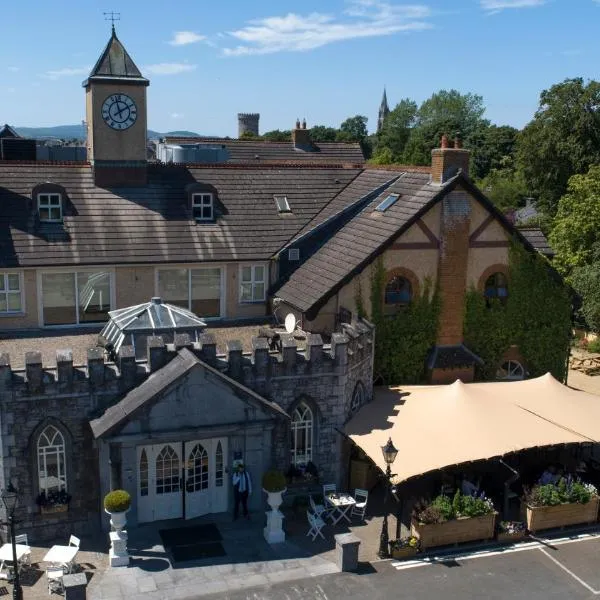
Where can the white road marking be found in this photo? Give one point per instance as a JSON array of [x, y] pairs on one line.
[[322, 592], [569, 572]]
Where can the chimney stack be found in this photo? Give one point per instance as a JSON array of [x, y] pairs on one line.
[[301, 136], [447, 161]]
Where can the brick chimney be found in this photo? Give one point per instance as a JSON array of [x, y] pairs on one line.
[[301, 135], [446, 161]]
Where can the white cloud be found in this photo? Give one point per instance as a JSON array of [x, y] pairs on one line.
[[297, 33], [168, 68], [66, 72], [182, 38], [177, 115], [495, 6], [13, 69]]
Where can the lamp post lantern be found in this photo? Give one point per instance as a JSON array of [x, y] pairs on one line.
[[10, 497], [389, 455]]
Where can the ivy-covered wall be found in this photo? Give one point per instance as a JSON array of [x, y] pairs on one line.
[[536, 317]]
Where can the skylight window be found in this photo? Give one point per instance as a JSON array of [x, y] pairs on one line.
[[387, 202], [283, 206]]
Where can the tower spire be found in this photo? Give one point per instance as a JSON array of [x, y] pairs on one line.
[[384, 111]]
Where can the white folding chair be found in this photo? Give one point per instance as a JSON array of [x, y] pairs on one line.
[[316, 524], [54, 576], [361, 497], [318, 509], [329, 488], [74, 541], [25, 560]]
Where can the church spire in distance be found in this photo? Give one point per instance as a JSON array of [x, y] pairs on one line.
[[384, 111]]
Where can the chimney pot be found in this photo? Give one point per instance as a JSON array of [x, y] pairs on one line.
[[444, 141], [297, 123], [457, 142], [303, 123]]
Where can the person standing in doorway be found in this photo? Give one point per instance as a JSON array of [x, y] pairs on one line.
[[242, 488]]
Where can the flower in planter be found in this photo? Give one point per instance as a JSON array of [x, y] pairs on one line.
[[512, 527], [565, 491], [442, 509], [409, 542], [53, 498]]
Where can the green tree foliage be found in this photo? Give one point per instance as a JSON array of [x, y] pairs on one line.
[[586, 282], [392, 139], [563, 139], [492, 148], [542, 335], [278, 136], [353, 129], [506, 188], [577, 222], [322, 133], [249, 135]]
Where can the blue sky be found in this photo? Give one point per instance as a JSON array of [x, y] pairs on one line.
[[323, 60]]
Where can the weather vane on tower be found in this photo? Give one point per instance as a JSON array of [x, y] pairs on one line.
[[112, 17]]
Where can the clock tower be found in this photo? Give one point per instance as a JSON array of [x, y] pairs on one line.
[[115, 100]]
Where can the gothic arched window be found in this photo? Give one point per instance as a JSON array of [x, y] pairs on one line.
[[398, 293], [358, 398], [496, 286], [302, 435], [52, 467]]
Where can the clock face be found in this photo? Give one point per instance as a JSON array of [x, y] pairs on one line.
[[119, 111]]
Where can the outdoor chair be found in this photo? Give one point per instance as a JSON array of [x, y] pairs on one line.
[[361, 497], [26, 558], [74, 541], [316, 524], [318, 509], [54, 576], [329, 488]]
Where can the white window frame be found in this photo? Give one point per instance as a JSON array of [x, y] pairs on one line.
[[189, 269], [515, 371], [253, 282], [59, 450], [302, 424], [282, 204], [202, 200], [40, 291], [50, 207], [294, 254], [6, 292]]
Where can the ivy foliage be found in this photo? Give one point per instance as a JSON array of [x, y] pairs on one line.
[[536, 317], [402, 341]]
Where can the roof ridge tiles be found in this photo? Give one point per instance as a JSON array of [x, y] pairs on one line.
[[404, 168]]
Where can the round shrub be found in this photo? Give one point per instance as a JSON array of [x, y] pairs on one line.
[[273, 481], [117, 501]]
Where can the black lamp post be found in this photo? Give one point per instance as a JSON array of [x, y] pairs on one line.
[[10, 497], [389, 455]]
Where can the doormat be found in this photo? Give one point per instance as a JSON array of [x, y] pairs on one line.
[[197, 551], [189, 536]]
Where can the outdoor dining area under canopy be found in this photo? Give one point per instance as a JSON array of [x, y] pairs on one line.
[[439, 427]]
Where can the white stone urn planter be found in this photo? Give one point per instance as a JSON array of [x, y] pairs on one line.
[[118, 520], [274, 499], [273, 532], [119, 501]]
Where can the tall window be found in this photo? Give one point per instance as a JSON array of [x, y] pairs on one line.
[[10, 293], [496, 286], [144, 474], [74, 298], [202, 207], [252, 283], [398, 293], [167, 471], [50, 208], [197, 469], [358, 398], [198, 290], [302, 435], [219, 466], [52, 472]]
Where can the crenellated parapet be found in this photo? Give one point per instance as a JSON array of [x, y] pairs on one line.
[[352, 346]]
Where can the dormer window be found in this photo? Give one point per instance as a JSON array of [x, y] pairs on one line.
[[202, 207], [50, 208], [283, 206]]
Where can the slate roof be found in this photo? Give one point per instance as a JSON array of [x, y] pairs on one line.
[[353, 247], [247, 151], [536, 237], [153, 223], [156, 383]]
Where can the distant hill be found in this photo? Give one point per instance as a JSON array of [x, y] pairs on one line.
[[78, 132]]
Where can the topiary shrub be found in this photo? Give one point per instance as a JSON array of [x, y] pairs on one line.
[[117, 501], [273, 481]]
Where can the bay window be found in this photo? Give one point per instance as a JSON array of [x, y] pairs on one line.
[[198, 290], [252, 283]]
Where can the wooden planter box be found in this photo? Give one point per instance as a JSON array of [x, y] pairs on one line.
[[548, 517], [511, 538], [455, 531], [56, 508], [403, 553]]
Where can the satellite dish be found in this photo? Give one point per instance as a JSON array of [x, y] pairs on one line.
[[290, 323]]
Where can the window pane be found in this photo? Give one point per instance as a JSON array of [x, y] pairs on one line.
[[2, 282], [44, 214], [14, 302], [3, 303], [259, 291], [94, 296], [259, 273], [58, 298], [13, 281], [173, 286], [55, 200], [246, 273], [206, 292], [55, 214], [246, 292]]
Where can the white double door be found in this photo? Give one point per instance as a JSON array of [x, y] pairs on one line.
[[183, 479]]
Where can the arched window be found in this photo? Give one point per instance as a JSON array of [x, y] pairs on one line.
[[167, 471], [496, 286], [358, 398], [398, 293], [144, 474], [197, 469], [511, 370], [52, 470], [219, 466], [302, 435]]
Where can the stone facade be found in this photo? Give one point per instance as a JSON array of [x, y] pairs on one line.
[[324, 376]]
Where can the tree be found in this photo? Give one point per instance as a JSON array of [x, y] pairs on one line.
[[354, 129], [322, 133], [562, 140], [577, 222], [278, 136], [491, 146], [505, 188], [249, 135], [586, 282], [391, 140]]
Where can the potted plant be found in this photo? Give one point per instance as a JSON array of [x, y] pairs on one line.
[[274, 485], [405, 547], [53, 502], [566, 502], [444, 521], [116, 504], [511, 531]]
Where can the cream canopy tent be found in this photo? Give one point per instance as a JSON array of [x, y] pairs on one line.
[[438, 426]]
